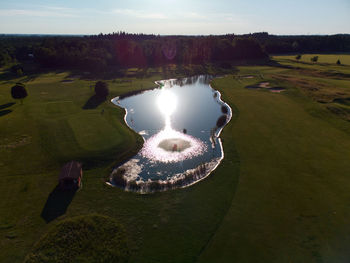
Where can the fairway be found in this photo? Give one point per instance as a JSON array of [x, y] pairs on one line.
[[280, 194], [322, 58], [291, 203]]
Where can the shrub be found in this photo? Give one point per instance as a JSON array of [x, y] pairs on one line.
[[19, 92], [314, 59], [338, 62], [298, 57]]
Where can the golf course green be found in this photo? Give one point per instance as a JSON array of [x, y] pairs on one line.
[[281, 194]]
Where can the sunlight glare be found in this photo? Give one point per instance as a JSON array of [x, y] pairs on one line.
[[167, 102]]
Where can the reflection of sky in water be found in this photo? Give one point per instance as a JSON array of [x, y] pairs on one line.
[[162, 114]]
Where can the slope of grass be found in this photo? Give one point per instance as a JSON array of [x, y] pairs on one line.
[[164, 227], [291, 203], [70, 241], [280, 194]]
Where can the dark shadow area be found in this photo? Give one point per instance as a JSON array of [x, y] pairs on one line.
[[93, 102], [57, 203], [6, 105], [4, 112], [344, 101]]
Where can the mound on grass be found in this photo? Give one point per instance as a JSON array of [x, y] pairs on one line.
[[92, 238]]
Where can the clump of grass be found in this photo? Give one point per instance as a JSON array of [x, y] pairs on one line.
[[91, 238]]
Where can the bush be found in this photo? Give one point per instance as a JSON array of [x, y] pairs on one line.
[[17, 70], [338, 62], [101, 89], [298, 57], [19, 92], [314, 59]]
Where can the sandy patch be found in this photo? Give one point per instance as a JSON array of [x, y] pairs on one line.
[[277, 89], [264, 84]]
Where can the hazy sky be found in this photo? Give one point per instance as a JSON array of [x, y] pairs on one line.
[[175, 16]]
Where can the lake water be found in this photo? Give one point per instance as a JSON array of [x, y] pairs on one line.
[[180, 127]]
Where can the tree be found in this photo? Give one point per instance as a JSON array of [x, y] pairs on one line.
[[338, 62], [314, 59], [17, 70], [19, 92], [298, 57], [101, 89]]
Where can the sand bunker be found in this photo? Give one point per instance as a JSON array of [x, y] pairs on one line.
[[266, 85], [277, 89], [248, 77]]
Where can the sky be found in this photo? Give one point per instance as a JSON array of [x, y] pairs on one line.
[[175, 17]]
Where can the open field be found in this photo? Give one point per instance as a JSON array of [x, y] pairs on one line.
[[280, 195], [322, 58]]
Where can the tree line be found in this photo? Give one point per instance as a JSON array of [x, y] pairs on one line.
[[122, 50]]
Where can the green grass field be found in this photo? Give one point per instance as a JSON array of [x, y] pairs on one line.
[[322, 58], [280, 195]]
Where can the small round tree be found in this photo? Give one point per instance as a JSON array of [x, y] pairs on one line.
[[19, 92], [298, 57], [338, 62], [101, 89], [314, 59]]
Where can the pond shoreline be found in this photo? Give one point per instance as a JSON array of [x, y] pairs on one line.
[[181, 180]]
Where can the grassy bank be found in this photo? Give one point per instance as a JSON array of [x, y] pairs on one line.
[[280, 194]]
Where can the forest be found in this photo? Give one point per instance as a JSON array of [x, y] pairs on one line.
[[106, 52]]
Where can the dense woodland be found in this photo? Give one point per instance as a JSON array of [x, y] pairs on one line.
[[122, 50]]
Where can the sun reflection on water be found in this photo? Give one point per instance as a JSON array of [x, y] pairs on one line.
[[170, 145], [167, 102]]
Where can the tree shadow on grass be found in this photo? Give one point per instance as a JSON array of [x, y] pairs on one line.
[[93, 102], [57, 203], [6, 105], [4, 112]]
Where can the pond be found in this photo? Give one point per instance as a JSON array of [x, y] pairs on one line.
[[180, 122]]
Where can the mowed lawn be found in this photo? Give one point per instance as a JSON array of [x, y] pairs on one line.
[[292, 199], [322, 58], [280, 195], [50, 128]]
